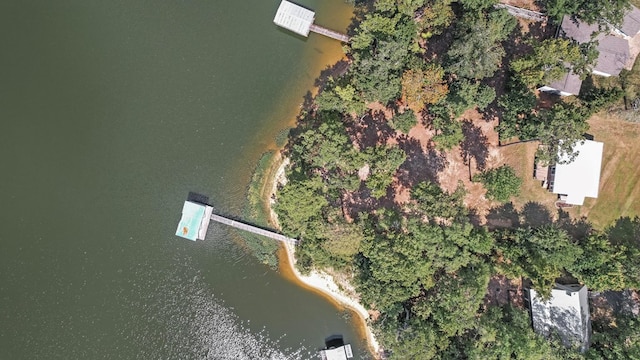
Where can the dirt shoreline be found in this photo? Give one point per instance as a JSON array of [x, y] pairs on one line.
[[317, 281]]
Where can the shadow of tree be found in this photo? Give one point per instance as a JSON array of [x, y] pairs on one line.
[[370, 130], [577, 228], [333, 71], [625, 231], [503, 216], [420, 165], [535, 214], [474, 146]]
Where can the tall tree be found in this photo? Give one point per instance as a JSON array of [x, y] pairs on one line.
[[423, 87], [540, 254]]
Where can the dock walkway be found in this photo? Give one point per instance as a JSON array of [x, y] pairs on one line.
[[330, 33], [253, 229]]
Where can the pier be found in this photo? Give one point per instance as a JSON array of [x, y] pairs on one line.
[[329, 33], [300, 20], [253, 229], [196, 217]]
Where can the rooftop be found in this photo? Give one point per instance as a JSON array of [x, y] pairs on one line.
[[566, 312], [581, 177], [631, 22], [338, 353], [294, 17], [195, 221]]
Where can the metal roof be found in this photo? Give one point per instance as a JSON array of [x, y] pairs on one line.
[[581, 177], [294, 17], [340, 353], [195, 221], [567, 312]]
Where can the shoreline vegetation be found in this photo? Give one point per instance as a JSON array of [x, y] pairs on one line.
[[410, 211]]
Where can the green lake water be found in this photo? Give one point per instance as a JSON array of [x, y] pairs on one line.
[[111, 112]]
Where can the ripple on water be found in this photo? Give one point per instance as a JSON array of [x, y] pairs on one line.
[[183, 320]]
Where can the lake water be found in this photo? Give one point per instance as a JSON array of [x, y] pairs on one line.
[[111, 112]]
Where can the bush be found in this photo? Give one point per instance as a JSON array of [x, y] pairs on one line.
[[501, 183]]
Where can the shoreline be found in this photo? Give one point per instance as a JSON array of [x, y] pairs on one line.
[[317, 281]]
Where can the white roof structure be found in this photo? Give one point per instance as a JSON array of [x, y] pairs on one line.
[[340, 353], [565, 313], [294, 17], [195, 221], [581, 177]]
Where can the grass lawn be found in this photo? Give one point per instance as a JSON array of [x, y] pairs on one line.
[[620, 177]]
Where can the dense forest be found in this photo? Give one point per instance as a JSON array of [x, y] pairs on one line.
[[423, 263]]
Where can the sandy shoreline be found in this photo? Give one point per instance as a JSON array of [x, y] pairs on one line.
[[318, 281]]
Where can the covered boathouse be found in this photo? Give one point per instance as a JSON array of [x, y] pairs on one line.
[[195, 221], [294, 18]]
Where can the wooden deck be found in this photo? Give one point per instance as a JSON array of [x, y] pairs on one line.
[[253, 229], [330, 33], [522, 13]]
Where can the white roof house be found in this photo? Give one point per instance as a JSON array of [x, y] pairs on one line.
[[581, 177], [565, 313], [294, 17]]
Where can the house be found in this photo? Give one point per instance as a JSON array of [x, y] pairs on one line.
[[615, 50], [565, 313], [581, 177]]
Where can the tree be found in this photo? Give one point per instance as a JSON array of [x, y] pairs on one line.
[[559, 129], [423, 87], [434, 203], [540, 254], [466, 94], [477, 5], [617, 341], [603, 12], [501, 183], [299, 204], [434, 18], [383, 163], [601, 266], [476, 53], [550, 60], [517, 111], [340, 98], [404, 122], [505, 333]]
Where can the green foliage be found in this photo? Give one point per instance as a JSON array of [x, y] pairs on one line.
[[299, 204], [517, 111], [617, 341], [560, 129], [603, 12], [379, 75], [383, 163], [434, 203], [506, 333], [478, 4], [540, 254], [549, 61], [452, 304], [340, 98], [477, 52], [466, 94], [602, 266], [404, 122], [501, 183], [343, 239], [435, 17]]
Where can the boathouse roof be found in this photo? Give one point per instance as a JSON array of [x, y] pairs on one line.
[[339, 353], [294, 17], [195, 221]]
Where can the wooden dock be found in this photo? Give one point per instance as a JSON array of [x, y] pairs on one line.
[[253, 229], [522, 13], [330, 33]]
